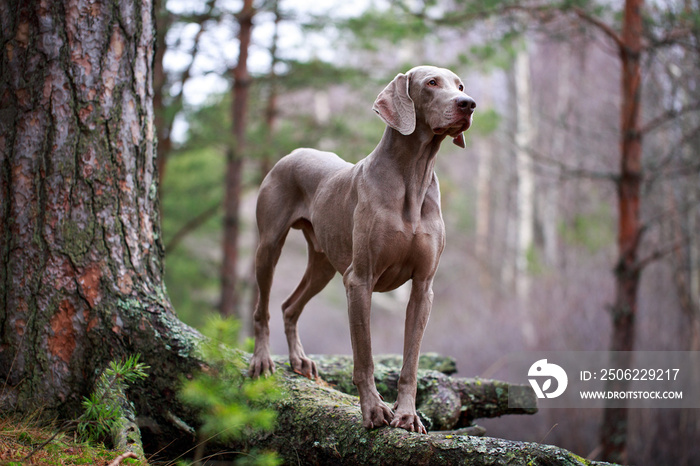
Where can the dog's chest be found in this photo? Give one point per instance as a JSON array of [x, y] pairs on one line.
[[401, 250]]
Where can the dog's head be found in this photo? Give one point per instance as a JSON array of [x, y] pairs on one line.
[[430, 96]]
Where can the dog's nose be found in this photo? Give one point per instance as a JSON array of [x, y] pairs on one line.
[[466, 103]]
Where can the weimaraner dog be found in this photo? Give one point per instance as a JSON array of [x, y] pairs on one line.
[[377, 222]]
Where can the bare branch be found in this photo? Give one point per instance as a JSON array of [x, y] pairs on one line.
[[658, 254], [669, 115], [177, 99], [190, 226], [672, 37], [568, 170], [601, 26]]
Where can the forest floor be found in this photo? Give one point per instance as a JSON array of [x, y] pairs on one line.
[[21, 444]]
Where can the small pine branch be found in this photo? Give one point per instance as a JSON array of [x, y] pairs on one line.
[[231, 406], [103, 408]]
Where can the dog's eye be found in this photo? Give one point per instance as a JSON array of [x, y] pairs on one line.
[[461, 88], [432, 82]]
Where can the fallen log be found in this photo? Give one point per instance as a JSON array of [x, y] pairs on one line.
[[319, 424], [446, 402]]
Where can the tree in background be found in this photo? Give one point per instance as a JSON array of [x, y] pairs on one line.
[[660, 38], [269, 133], [637, 32], [629, 181], [168, 87], [234, 164]]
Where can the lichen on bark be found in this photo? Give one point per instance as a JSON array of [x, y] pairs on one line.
[[317, 424], [81, 260]]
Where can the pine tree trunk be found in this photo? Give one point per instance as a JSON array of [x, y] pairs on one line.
[[160, 79], [627, 272], [267, 157], [81, 259], [318, 424], [234, 165]]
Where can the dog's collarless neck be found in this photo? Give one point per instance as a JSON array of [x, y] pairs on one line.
[[412, 157]]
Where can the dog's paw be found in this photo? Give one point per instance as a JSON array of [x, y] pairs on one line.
[[376, 415], [261, 365], [408, 421], [305, 366]]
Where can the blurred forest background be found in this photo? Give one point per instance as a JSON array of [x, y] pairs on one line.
[[531, 206]]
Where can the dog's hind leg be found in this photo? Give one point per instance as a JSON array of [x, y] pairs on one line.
[[273, 232], [319, 272]]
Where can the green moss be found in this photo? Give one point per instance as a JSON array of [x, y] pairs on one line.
[[79, 239], [20, 438], [580, 459]]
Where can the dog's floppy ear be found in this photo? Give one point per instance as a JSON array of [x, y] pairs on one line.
[[395, 106]]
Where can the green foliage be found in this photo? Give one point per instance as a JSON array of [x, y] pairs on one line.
[[103, 408], [193, 186], [535, 266], [486, 122], [593, 230], [497, 54], [298, 75], [210, 125], [230, 404], [392, 25]]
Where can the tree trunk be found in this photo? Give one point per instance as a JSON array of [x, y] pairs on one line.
[[163, 126], [526, 190], [81, 259], [267, 156], [234, 165], [549, 195], [484, 202], [165, 107], [448, 402], [627, 272], [484, 209]]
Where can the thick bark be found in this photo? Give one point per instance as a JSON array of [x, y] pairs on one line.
[[234, 164], [627, 271], [81, 260]]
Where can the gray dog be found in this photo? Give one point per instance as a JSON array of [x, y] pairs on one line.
[[378, 223]]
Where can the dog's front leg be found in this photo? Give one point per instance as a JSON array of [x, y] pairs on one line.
[[375, 413], [417, 314]]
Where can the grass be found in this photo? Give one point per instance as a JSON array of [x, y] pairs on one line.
[[20, 437]]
